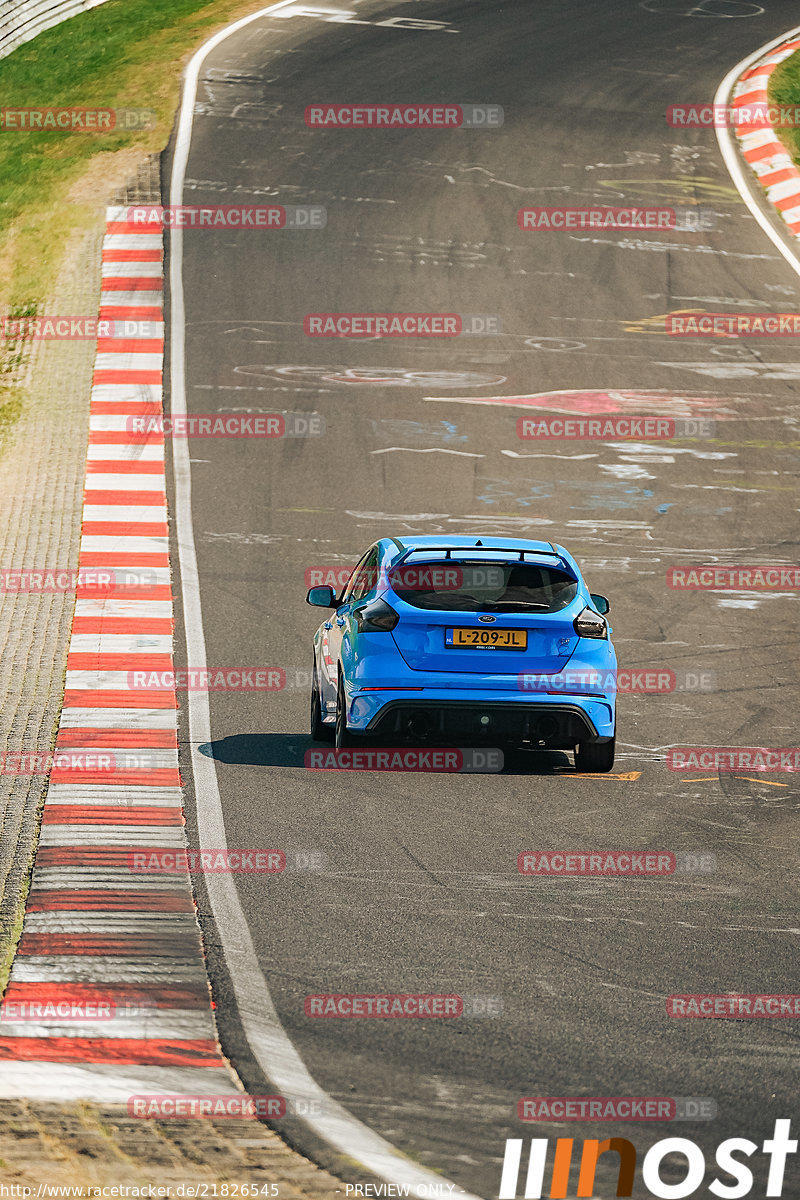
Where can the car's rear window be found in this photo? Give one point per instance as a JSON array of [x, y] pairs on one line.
[[483, 586]]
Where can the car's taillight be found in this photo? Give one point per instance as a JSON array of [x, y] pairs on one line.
[[590, 624], [375, 617]]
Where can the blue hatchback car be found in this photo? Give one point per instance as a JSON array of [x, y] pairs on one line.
[[466, 641]]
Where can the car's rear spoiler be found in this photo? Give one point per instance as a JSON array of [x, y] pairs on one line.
[[449, 550]]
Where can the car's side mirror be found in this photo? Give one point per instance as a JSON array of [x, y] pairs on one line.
[[321, 597], [600, 602]]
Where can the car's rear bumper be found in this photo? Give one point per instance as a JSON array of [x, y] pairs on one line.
[[438, 717]]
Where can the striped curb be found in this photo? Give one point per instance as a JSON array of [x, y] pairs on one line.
[[94, 931], [765, 153]]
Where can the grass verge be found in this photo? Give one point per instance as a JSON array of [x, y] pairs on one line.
[[784, 88], [124, 54], [53, 185]]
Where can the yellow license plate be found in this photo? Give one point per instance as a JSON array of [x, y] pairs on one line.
[[487, 639]]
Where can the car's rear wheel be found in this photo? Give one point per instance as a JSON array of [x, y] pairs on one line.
[[343, 737], [319, 731], [595, 757]]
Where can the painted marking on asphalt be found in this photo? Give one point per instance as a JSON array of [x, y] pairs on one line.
[[624, 777]]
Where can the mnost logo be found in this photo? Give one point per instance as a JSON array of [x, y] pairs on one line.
[[687, 1176]]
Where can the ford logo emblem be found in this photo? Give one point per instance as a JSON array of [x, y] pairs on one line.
[[487, 620]]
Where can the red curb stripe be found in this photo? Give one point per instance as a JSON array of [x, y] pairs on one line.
[[155, 995], [792, 201], [105, 376], [98, 856], [120, 466], [152, 1052], [131, 227], [113, 624], [158, 777], [132, 499], [116, 437], [125, 529], [130, 345], [80, 660], [132, 283], [98, 899], [105, 558], [770, 178], [113, 255], [111, 814], [137, 739], [134, 408], [131, 312], [89, 945], [769, 150], [122, 699]]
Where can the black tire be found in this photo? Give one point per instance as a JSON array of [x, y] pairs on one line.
[[594, 757], [319, 731], [343, 737]]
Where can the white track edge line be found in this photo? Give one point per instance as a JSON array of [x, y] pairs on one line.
[[273, 1049]]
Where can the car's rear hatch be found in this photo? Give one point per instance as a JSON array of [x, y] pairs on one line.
[[462, 619]]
